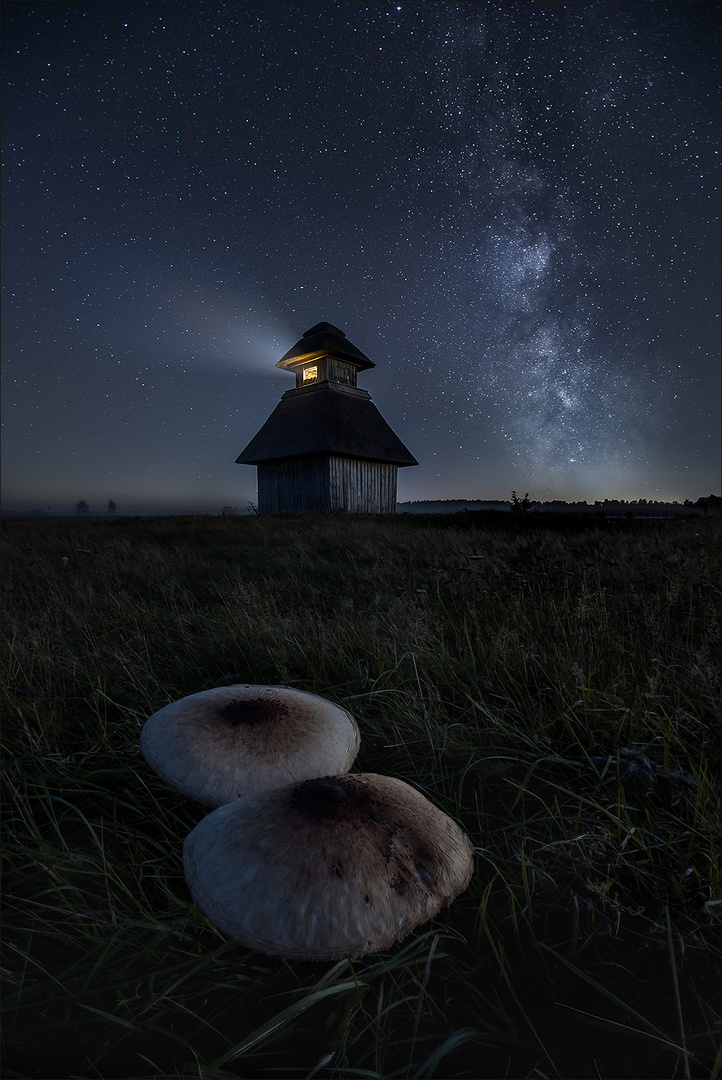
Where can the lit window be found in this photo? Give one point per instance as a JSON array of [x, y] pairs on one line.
[[310, 373]]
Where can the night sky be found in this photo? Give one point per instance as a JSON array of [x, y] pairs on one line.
[[511, 208]]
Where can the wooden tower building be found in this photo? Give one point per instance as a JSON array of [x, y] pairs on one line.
[[326, 447]]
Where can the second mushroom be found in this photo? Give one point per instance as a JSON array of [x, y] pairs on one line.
[[330, 868]]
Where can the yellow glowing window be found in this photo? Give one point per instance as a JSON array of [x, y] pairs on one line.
[[310, 373]]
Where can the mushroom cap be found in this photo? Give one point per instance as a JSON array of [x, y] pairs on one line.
[[334, 867], [236, 741]]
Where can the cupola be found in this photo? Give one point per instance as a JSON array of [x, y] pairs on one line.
[[324, 354], [326, 447]]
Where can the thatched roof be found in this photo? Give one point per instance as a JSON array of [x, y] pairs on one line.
[[324, 339], [332, 419]]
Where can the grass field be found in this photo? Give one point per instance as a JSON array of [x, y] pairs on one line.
[[553, 686]]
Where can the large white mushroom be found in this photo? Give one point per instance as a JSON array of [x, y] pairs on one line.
[[236, 741], [334, 867]]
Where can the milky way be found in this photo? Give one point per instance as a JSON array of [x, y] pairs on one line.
[[512, 208]]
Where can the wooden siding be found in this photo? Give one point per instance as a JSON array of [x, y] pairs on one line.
[[339, 371], [362, 487], [323, 483], [295, 486]]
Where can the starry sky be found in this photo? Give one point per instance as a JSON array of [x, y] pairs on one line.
[[511, 207]]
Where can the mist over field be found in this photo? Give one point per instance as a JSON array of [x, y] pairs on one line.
[[611, 507]]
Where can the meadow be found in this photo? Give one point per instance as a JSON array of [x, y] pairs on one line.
[[552, 685]]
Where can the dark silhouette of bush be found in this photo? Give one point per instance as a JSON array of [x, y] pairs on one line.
[[520, 506], [710, 502]]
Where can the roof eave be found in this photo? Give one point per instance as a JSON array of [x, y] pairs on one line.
[[324, 343]]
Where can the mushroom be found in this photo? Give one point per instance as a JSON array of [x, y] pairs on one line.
[[334, 867], [239, 740]]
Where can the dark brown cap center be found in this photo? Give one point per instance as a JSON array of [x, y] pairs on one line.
[[252, 712], [331, 797]]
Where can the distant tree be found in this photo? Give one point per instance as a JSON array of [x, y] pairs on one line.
[[111, 506], [229, 511], [710, 502], [81, 507], [520, 506]]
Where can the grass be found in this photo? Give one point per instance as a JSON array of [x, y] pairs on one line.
[[553, 687]]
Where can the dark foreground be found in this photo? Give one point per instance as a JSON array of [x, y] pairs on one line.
[[553, 686]]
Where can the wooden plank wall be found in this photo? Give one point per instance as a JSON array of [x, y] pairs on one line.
[[339, 371], [296, 486], [324, 483], [362, 487]]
